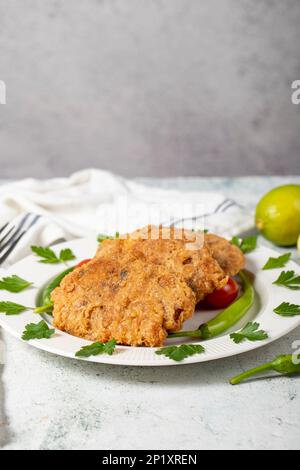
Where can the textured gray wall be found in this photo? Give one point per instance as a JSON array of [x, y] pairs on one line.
[[149, 87]]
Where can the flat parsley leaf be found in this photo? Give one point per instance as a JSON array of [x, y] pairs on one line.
[[14, 284], [10, 308], [178, 353], [37, 331], [66, 255], [287, 310], [288, 279], [97, 348], [279, 262], [250, 332], [49, 257], [246, 245]]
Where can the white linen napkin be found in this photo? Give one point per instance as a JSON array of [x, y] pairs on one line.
[[95, 201]]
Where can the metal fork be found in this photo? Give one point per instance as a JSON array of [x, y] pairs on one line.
[[12, 234]]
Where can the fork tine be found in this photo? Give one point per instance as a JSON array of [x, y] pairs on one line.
[[24, 218], [11, 243], [15, 234], [4, 227], [11, 248]]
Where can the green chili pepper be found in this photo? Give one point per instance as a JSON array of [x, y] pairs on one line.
[[286, 365], [227, 318], [45, 298]]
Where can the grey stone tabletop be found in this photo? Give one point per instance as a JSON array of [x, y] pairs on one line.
[[51, 402]]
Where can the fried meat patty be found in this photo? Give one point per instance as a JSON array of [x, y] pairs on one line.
[[135, 303], [181, 252], [140, 287], [230, 257]]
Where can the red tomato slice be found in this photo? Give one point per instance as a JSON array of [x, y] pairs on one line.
[[221, 298], [82, 263]]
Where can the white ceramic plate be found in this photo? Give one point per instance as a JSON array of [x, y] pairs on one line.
[[268, 296]]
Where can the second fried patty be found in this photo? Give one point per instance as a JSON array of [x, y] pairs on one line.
[[180, 251]]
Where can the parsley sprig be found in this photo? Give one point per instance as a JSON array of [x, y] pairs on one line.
[[250, 332], [48, 256], [11, 308], [287, 310], [288, 279], [14, 284], [178, 353], [246, 245], [37, 331], [97, 348], [280, 262]]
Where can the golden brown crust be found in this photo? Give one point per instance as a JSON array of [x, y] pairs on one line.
[[140, 287], [135, 304], [180, 251], [230, 257]]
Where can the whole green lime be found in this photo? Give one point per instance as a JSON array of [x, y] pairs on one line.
[[278, 215]]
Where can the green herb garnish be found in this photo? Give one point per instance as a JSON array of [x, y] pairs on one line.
[[97, 348], [287, 310], [49, 257], [178, 353], [14, 284], [279, 262], [250, 332], [288, 279], [66, 255], [37, 331], [10, 308], [246, 245]]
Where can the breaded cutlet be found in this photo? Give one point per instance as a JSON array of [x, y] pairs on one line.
[[140, 287], [136, 303], [230, 257], [181, 252]]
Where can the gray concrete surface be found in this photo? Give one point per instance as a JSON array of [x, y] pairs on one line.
[[149, 88]]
